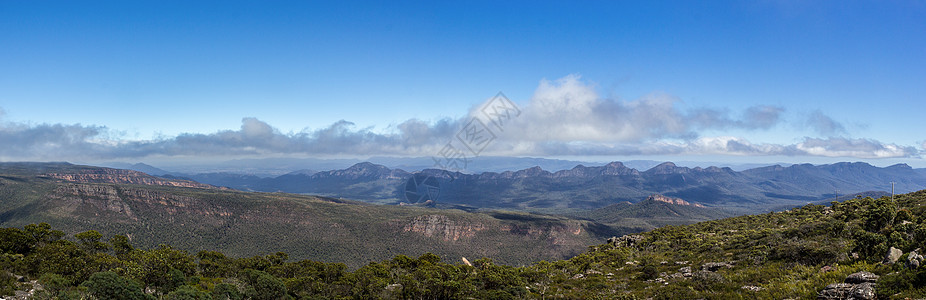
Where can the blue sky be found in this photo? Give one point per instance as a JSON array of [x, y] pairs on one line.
[[791, 81]]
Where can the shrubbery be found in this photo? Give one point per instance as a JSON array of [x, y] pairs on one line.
[[774, 255]]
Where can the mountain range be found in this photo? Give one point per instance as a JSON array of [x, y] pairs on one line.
[[586, 188]]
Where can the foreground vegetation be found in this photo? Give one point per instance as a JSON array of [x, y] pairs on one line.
[[791, 254]]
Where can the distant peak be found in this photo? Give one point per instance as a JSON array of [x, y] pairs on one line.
[[900, 166], [366, 165], [615, 164], [667, 168]]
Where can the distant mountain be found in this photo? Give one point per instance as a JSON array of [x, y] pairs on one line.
[[193, 216], [591, 187]]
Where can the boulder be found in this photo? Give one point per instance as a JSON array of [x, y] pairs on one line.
[[858, 286], [861, 277], [836, 291], [892, 255], [914, 260], [864, 291]]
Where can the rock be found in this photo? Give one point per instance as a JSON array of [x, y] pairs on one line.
[[685, 269], [714, 266], [864, 291], [836, 291], [892, 256], [861, 277], [394, 287], [751, 288], [629, 240], [914, 260]]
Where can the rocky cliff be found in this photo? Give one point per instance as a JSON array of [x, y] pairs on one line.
[[119, 176]]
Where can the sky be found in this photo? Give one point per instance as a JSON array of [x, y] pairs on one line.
[[737, 81]]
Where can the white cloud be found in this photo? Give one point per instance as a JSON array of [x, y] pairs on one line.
[[570, 110], [563, 117]]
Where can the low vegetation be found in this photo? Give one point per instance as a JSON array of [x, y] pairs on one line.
[[791, 254]]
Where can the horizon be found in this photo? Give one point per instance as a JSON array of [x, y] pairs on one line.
[[738, 83]]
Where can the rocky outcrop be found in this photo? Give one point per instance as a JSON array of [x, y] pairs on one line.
[[858, 286], [861, 277], [100, 197], [107, 198], [629, 240], [914, 259], [118, 176], [443, 227], [672, 200], [892, 256]]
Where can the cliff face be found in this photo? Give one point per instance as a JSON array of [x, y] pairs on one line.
[[443, 227], [671, 200], [556, 234], [117, 176], [101, 198], [447, 229]]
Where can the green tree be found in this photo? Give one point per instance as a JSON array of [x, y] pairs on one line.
[[263, 286], [14, 240], [90, 241], [187, 292], [121, 245], [109, 285], [42, 234], [225, 291], [60, 257]]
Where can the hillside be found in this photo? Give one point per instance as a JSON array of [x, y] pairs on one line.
[[192, 216], [859, 249], [655, 211]]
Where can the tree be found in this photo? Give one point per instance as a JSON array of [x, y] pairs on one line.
[[121, 245], [109, 285], [14, 240], [187, 292], [90, 241], [42, 234], [60, 257], [263, 286], [225, 291]]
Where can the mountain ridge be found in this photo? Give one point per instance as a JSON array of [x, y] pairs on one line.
[[591, 187]]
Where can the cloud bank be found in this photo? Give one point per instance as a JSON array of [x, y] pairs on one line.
[[563, 117]]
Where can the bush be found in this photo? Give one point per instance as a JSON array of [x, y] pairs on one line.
[[109, 285]]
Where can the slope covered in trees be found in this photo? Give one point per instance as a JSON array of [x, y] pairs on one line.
[[244, 224], [791, 254]]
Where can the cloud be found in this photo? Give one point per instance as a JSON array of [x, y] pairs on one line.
[[563, 117], [724, 145], [568, 109], [862, 148], [824, 125]]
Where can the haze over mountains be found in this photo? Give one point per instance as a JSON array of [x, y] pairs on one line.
[[272, 167], [590, 187]]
